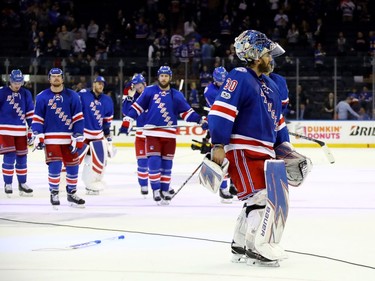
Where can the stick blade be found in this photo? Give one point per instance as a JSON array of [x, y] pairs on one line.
[[328, 154]]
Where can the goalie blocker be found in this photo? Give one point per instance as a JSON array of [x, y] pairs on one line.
[[211, 174]]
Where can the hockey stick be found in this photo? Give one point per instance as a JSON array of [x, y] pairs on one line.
[[181, 85], [163, 127], [322, 144], [82, 245], [186, 181]]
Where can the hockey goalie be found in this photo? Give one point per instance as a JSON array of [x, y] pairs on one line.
[[248, 129]]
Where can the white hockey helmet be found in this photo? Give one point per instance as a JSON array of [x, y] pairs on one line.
[[252, 45]]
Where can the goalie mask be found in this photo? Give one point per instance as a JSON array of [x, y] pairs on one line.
[[252, 45], [211, 174]]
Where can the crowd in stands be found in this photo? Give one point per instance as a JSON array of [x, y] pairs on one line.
[[197, 32]]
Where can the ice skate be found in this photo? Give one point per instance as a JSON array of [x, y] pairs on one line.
[[74, 200], [25, 190], [94, 188], [157, 196], [54, 199], [255, 259], [8, 189], [233, 189], [90, 191], [166, 197], [144, 191], [226, 197], [239, 254], [171, 191]]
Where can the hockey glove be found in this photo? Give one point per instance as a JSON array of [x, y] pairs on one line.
[[77, 143], [38, 141], [126, 125], [30, 138], [297, 165], [204, 123]]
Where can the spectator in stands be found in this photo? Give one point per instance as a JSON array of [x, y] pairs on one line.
[[319, 57], [365, 99], [320, 32], [329, 107], [281, 21], [141, 29], [363, 114], [194, 97], [360, 46], [207, 52], [66, 39], [117, 49], [79, 45], [205, 77], [347, 8], [163, 43], [293, 36], [102, 47], [189, 28], [225, 26], [344, 111], [342, 45], [92, 37]]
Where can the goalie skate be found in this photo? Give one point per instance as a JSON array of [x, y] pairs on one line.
[[25, 190], [225, 196], [238, 255], [254, 259], [92, 191]]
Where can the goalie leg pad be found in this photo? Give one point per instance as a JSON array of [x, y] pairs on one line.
[[272, 224], [211, 174], [297, 165], [94, 166]]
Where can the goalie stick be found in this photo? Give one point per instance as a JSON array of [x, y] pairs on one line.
[[186, 181], [322, 144], [82, 245]]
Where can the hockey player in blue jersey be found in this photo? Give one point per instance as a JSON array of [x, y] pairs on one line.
[[98, 111], [164, 105], [247, 128], [138, 86], [17, 109], [280, 81], [210, 93], [58, 129]]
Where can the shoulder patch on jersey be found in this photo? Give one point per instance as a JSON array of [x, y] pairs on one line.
[[83, 91], [225, 95], [241, 69]]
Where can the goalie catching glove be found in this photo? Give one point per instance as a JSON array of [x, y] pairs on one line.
[[297, 165], [211, 174]]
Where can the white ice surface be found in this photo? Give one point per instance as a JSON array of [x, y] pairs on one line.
[[329, 234]]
